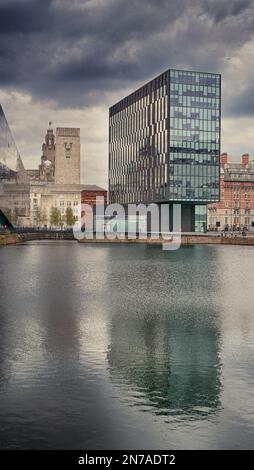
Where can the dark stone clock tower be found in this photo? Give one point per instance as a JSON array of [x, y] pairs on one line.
[[47, 166]]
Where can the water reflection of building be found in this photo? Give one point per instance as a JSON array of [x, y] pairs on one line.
[[175, 367], [14, 189], [11, 165]]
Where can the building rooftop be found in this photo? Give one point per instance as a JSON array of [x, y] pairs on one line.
[[68, 131], [93, 187], [162, 77], [238, 171], [66, 187]]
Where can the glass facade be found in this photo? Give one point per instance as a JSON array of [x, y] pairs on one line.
[[9, 155], [138, 145], [164, 141], [194, 149], [200, 218]]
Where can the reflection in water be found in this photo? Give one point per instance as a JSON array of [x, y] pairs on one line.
[[175, 369], [165, 332], [116, 346]]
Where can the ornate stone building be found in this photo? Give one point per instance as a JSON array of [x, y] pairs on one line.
[[236, 207], [31, 194], [47, 166], [57, 181], [44, 197], [46, 170], [60, 160], [61, 196]]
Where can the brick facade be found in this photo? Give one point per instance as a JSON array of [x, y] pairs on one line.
[[236, 207], [89, 196]]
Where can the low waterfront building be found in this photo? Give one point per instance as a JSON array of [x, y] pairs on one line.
[[89, 195], [44, 197], [236, 207]]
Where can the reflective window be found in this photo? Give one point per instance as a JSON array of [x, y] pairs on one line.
[[194, 146], [164, 141], [9, 156]]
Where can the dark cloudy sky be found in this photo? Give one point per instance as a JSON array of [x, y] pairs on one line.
[[69, 60]]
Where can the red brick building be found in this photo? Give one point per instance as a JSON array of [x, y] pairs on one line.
[[88, 196], [236, 207]]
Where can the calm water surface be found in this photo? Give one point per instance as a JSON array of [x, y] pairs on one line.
[[114, 346]]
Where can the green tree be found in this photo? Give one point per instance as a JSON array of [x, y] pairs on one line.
[[38, 216], [70, 219], [61, 223], [44, 217], [55, 217]]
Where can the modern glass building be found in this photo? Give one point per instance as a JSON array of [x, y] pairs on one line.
[[164, 144], [10, 160]]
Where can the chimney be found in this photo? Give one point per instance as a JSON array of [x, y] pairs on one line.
[[224, 159], [245, 159]]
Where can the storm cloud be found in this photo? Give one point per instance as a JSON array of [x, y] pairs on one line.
[[86, 54]]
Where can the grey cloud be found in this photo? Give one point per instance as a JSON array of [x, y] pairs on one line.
[[24, 16], [219, 10], [242, 104], [79, 52], [239, 6]]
